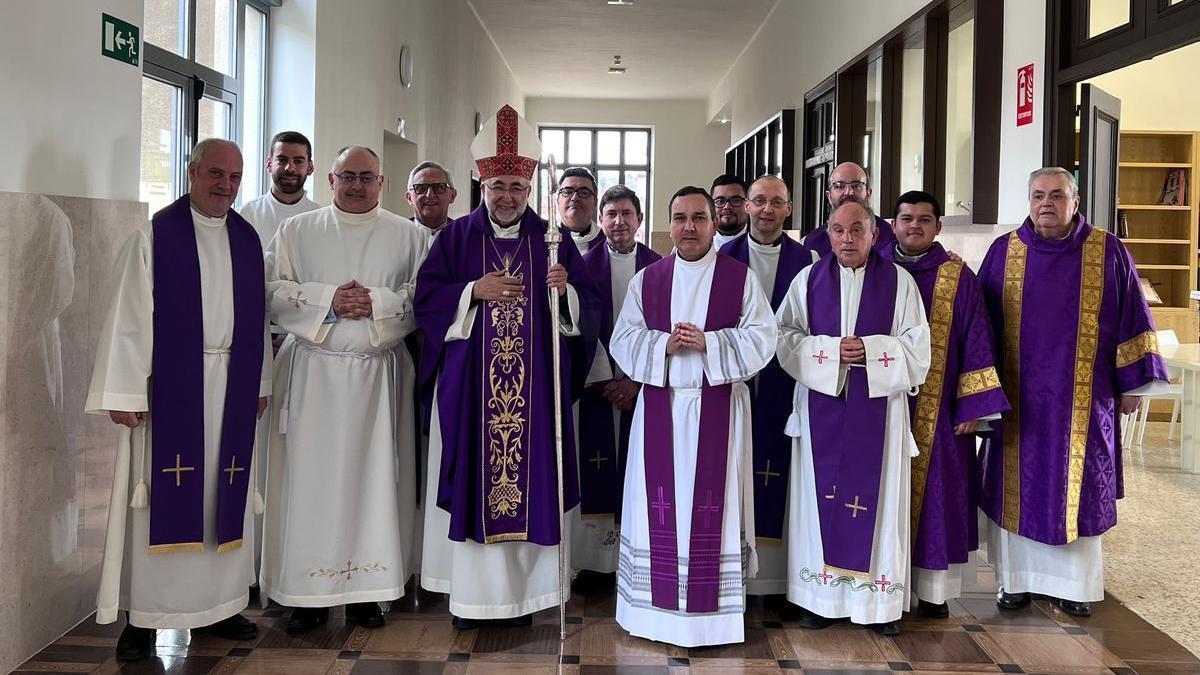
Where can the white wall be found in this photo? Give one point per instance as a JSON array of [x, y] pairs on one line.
[[71, 119], [342, 62], [686, 151], [1153, 94], [800, 45], [1021, 147]]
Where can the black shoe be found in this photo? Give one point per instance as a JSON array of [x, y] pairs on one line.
[[889, 628], [365, 614], [526, 620], [464, 624], [236, 627], [1005, 600], [1074, 608], [588, 582], [933, 611], [304, 619], [135, 643], [814, 621]]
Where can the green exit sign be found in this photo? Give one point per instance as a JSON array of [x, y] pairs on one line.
[[119, 40]]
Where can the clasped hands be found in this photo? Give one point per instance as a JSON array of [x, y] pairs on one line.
[[621, 393], [134, 419], [853, 350], [352, 301], [686, 336], [499, 287]]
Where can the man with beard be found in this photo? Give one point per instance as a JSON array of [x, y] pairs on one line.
[[729, 197], [430, 194], [848, 183], [577, 207], [290, 164]]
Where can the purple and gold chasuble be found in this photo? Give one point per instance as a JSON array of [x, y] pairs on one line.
[[708, 497], [1076, 334], [601, 450], [177, 383], [818, 239], [494, 391], [847, 431], [771, 399], [962, 385]]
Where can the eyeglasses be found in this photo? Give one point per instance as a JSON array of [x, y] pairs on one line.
[[732, 201], [852, 186], [349, 178], [510, 189], [422, 188], [775, 203], [582, 193]]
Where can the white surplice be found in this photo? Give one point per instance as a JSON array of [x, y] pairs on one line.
[[341, 486], [885, 595], [595, 539], [267, 213], [719, 240], [180, 589], [732, 355], [501, 580]]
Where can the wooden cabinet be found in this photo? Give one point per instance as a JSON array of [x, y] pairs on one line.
[[1162, 238]]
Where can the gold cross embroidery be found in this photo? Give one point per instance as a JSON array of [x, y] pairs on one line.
[[855, 508], [178, 469], [598, 460], [767, 474], [298, 299], [233, 469]]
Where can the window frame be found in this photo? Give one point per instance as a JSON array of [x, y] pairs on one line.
[[596, 167], [197, 81]]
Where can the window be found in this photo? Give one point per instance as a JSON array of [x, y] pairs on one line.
[[204, 76], [616, 155], [960, 85]]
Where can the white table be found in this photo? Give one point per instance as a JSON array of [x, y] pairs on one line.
[[1186, 357]]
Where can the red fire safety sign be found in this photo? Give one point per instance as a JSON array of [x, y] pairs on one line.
[[1025, 95]]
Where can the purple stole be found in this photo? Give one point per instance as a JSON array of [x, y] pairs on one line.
[[818, 239], [704, 551], [847, 431], [177, 383], [771, 400], [601, 484]]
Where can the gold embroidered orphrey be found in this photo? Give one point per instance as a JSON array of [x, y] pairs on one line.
[[1091, 296], [508, 385], [1137, 348], [1014, 286], [978, 382], [929, 401]]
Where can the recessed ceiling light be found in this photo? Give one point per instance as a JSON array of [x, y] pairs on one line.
[[723, 120], [620, 3], [614, 70]]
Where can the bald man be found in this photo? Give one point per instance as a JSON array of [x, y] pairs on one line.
[[341, 495], [849, 183]]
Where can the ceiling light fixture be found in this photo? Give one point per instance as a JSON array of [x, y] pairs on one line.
[[614, 70], [620, 3]]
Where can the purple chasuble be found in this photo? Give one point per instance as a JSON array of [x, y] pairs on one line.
[[962, 385], [1076, 334], [177, 383], [847, 431], [771, 399], [495, 395], [708, 496], [818, 239], [601, 451]]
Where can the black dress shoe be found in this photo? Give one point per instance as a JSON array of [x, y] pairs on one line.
[[526, 620], [1006, 600], [365, 614], [814, 621], [464, 624], [933, 611], [1074, 608], [236, 627], [888, 628], [135, 643], [588, 582], [304, 619]]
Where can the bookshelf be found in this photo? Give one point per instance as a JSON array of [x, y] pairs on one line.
[[1162, 238]]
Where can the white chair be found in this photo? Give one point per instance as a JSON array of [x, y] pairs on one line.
[[1175, 392]]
